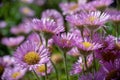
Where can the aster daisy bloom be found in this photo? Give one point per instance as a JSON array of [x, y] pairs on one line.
[[64, 40], [101, 4], [27, 11], [111, 70], [88, 7], [12, 41], [97, 76], [54, 15], [114, 15], [40, 69], [47, 25], [110, 48], [15, 73], [79, 66], [76, 20], [87, 46], [95, 19], [23, 28], [69, 8], [29, 55]]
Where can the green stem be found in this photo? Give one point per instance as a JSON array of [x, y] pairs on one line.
[[117, 31], [46, 75], [65, 64], [85, 61], [34, 73], [118, 4], [94, 62], [57, 76]]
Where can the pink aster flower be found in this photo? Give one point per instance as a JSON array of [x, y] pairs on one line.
[[23, 28], [47, 25], [114, 15], [27, 11], [95, 19], [76, 20], [79, 66], [69, 8], [40, 69], [101, 4], [64, 40], [15, 73], [12, 41], [55, 15], [87, 46], [29, 55]]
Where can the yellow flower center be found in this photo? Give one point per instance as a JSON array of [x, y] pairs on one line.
[[31, 58], [1, 69], [87, 44], [72, 8], [92, 18], [15, 75], [41, 68]]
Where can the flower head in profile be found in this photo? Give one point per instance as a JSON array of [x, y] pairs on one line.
[[114, 15], [47, 25], [12, 41], [15, 73], [23, 28], [101, 4], [40, 69], [54, 15], [95, 19], [29, 55], [69, 8], [111, 70], [87, 46], [64, 40], [76, 20], [79, 66]]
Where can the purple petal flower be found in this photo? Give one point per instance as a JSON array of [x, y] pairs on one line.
[[29, 55], [69, 8], [15, 73], [47, 25], [12, 41], [79, 65], [54, 15], [64, 40], [40, 69]]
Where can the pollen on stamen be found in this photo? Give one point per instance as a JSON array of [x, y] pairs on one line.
[[41, 68], [31, 58], [87, 44], [15, 75]]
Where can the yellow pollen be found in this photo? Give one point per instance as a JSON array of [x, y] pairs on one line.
[[31, 58], [15, 75], [72, 8], [87, 44], [41, 68], [92, 18]]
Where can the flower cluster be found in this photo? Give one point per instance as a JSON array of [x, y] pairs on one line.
[[80, 34]]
